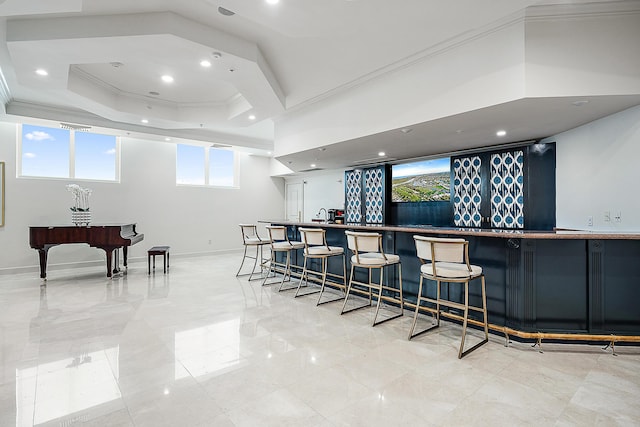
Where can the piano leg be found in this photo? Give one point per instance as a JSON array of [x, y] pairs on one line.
[[124, 256], [116, 257], [43, 262], [109, 253]]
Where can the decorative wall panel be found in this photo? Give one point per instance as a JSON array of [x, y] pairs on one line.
[[466, 192], [507, 197], [353, 196], [374, 195]]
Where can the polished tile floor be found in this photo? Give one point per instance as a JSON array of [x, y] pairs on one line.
[[200, 347]]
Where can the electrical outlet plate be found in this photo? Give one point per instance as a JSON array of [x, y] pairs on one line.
[[590, 221], [607, 216], [618, 217]]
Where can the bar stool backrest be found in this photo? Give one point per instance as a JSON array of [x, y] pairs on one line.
[[277, 233], [249, 232], [437, 249], [359, 242], [364, 242], [313, 236]]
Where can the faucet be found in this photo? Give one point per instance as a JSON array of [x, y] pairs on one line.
[[326, 218]]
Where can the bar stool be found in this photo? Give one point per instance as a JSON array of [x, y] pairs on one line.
[[447, 260], [368, 254], [250, 238], [316, 247], [280, 243]]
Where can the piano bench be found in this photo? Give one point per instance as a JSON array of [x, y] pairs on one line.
[[158, 250]]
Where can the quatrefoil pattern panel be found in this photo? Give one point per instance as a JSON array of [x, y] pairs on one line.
[[466, 192], [507, 183], [374, 195], [353, 191]]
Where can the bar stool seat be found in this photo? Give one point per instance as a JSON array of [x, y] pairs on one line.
[[447, 260], [369, 254], [451, 270], [322, 250], [376, 259]]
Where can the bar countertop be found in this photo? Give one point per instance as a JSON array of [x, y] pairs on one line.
[[462, 231]]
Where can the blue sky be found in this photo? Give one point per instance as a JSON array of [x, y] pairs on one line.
[[221, 167], [45, 152], [95, 156], [190, 166], [420, 168]]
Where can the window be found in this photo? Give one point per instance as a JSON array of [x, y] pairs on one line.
[[206, 166], [60, 153]]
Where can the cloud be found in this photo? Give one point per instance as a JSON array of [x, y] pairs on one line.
[[38, 135], [111, 151], [29, 155]]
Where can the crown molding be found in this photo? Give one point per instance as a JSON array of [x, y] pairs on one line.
[[5, 92], [58, 114]]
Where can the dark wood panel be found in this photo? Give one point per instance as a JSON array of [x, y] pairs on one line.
[[620, 287], [561, 287]]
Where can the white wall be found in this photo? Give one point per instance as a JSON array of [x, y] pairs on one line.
[[598, 171], [323, 189], [564, 50], [584, 55], [185, 218], [483, 72]]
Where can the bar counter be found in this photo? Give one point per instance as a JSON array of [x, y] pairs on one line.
[[459, 231], [563, 284]]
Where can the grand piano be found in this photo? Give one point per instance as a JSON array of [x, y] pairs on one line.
[[105, 237]]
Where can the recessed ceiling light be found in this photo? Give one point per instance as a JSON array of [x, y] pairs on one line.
[[42, 72], [205, 63], [216, 55], [406, 130], [167, 78], [144, 121], [116, 64], [313, 165], [252, 117], [501, 133], [167, 139], [382, 154], [273, 1], [322, 149], [231, 70]]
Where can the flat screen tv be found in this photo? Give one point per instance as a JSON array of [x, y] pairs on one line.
[[423, 181]]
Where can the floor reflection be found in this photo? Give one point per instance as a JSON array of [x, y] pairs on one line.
[[65, 387], [208, 349]]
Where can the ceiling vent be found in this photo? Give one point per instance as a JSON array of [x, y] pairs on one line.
[[225, 12], [77, 128], [373, 161]]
